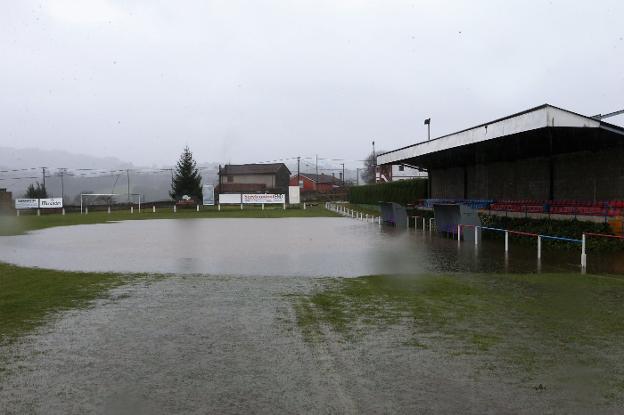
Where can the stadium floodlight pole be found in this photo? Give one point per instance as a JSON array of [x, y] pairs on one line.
[[43, 169], [428, 124]]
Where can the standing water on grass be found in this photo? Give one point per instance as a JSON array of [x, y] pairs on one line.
[[277, 247]]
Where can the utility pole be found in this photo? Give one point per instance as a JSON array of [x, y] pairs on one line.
[[374, 164], [428, 124], [43, 169], [62, 171], [298, 172], [128, 175], [317, 178], [343, 178]]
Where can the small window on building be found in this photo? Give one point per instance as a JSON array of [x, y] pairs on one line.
[[401, 167], [230, 179]]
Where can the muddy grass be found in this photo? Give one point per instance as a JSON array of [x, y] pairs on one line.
[[29, 296], [550, 330]]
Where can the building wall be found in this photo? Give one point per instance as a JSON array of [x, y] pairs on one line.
[[585, 176], [266, 179], [308, 185], [408, 173], [447, 183], [6, 201], [590, 176]]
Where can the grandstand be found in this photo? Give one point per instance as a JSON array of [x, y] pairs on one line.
[[542, 160]]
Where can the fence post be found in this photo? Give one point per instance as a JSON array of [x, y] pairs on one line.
[[198, 207], [430, 224], [476, 231], [108, 210], [38, 212], [506, 241], [583, 253], [63, 212], [367, 217], [87, 210], [458, 233], [263, 206], [539, 246], [131, 209], [219, 207], [17, 210], [424, 223], [175, 208], [284, 204], [153, 208]]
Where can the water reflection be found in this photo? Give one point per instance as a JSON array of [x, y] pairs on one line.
[[278, 247]]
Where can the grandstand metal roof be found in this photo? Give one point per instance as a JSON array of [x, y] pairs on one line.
[[541, 117]]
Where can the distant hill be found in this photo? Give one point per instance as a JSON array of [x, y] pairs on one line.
[[152, 183]]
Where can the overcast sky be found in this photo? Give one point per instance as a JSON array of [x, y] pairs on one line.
[[247, 81]]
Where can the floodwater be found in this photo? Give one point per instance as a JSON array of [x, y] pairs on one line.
[[219, 334], [309, 247]]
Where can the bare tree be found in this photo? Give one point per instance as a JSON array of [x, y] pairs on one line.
[[368, 175]]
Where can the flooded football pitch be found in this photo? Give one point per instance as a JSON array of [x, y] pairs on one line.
[[218, 332], [310, 247]]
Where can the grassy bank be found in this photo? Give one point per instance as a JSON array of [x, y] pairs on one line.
[[374, 210], [28, 296], [532, 325], [12, 225]]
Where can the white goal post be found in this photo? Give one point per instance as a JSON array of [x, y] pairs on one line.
[[84, 195]]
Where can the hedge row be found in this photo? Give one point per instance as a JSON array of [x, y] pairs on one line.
[[403, 192], [567, 228]]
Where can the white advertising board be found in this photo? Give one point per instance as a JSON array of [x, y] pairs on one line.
[[26, 203], [208, 193], [51, 203], [254, 198], [230, 198], [294, 195]]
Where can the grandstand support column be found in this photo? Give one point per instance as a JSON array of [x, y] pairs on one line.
[[465, 182], [583, 254], [428, 184], [551, 168]]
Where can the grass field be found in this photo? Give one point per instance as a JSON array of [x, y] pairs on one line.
[[13, 225], [28, 296], [532, 325]]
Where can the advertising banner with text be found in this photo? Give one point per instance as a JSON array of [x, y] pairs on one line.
[[263, 198], [26, 203], [51, 203]]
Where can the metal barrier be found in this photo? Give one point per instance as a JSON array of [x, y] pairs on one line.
[[348, 212], [599, 235], [539, 237]]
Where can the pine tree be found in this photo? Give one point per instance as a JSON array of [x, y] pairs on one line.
[[186, 179]]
